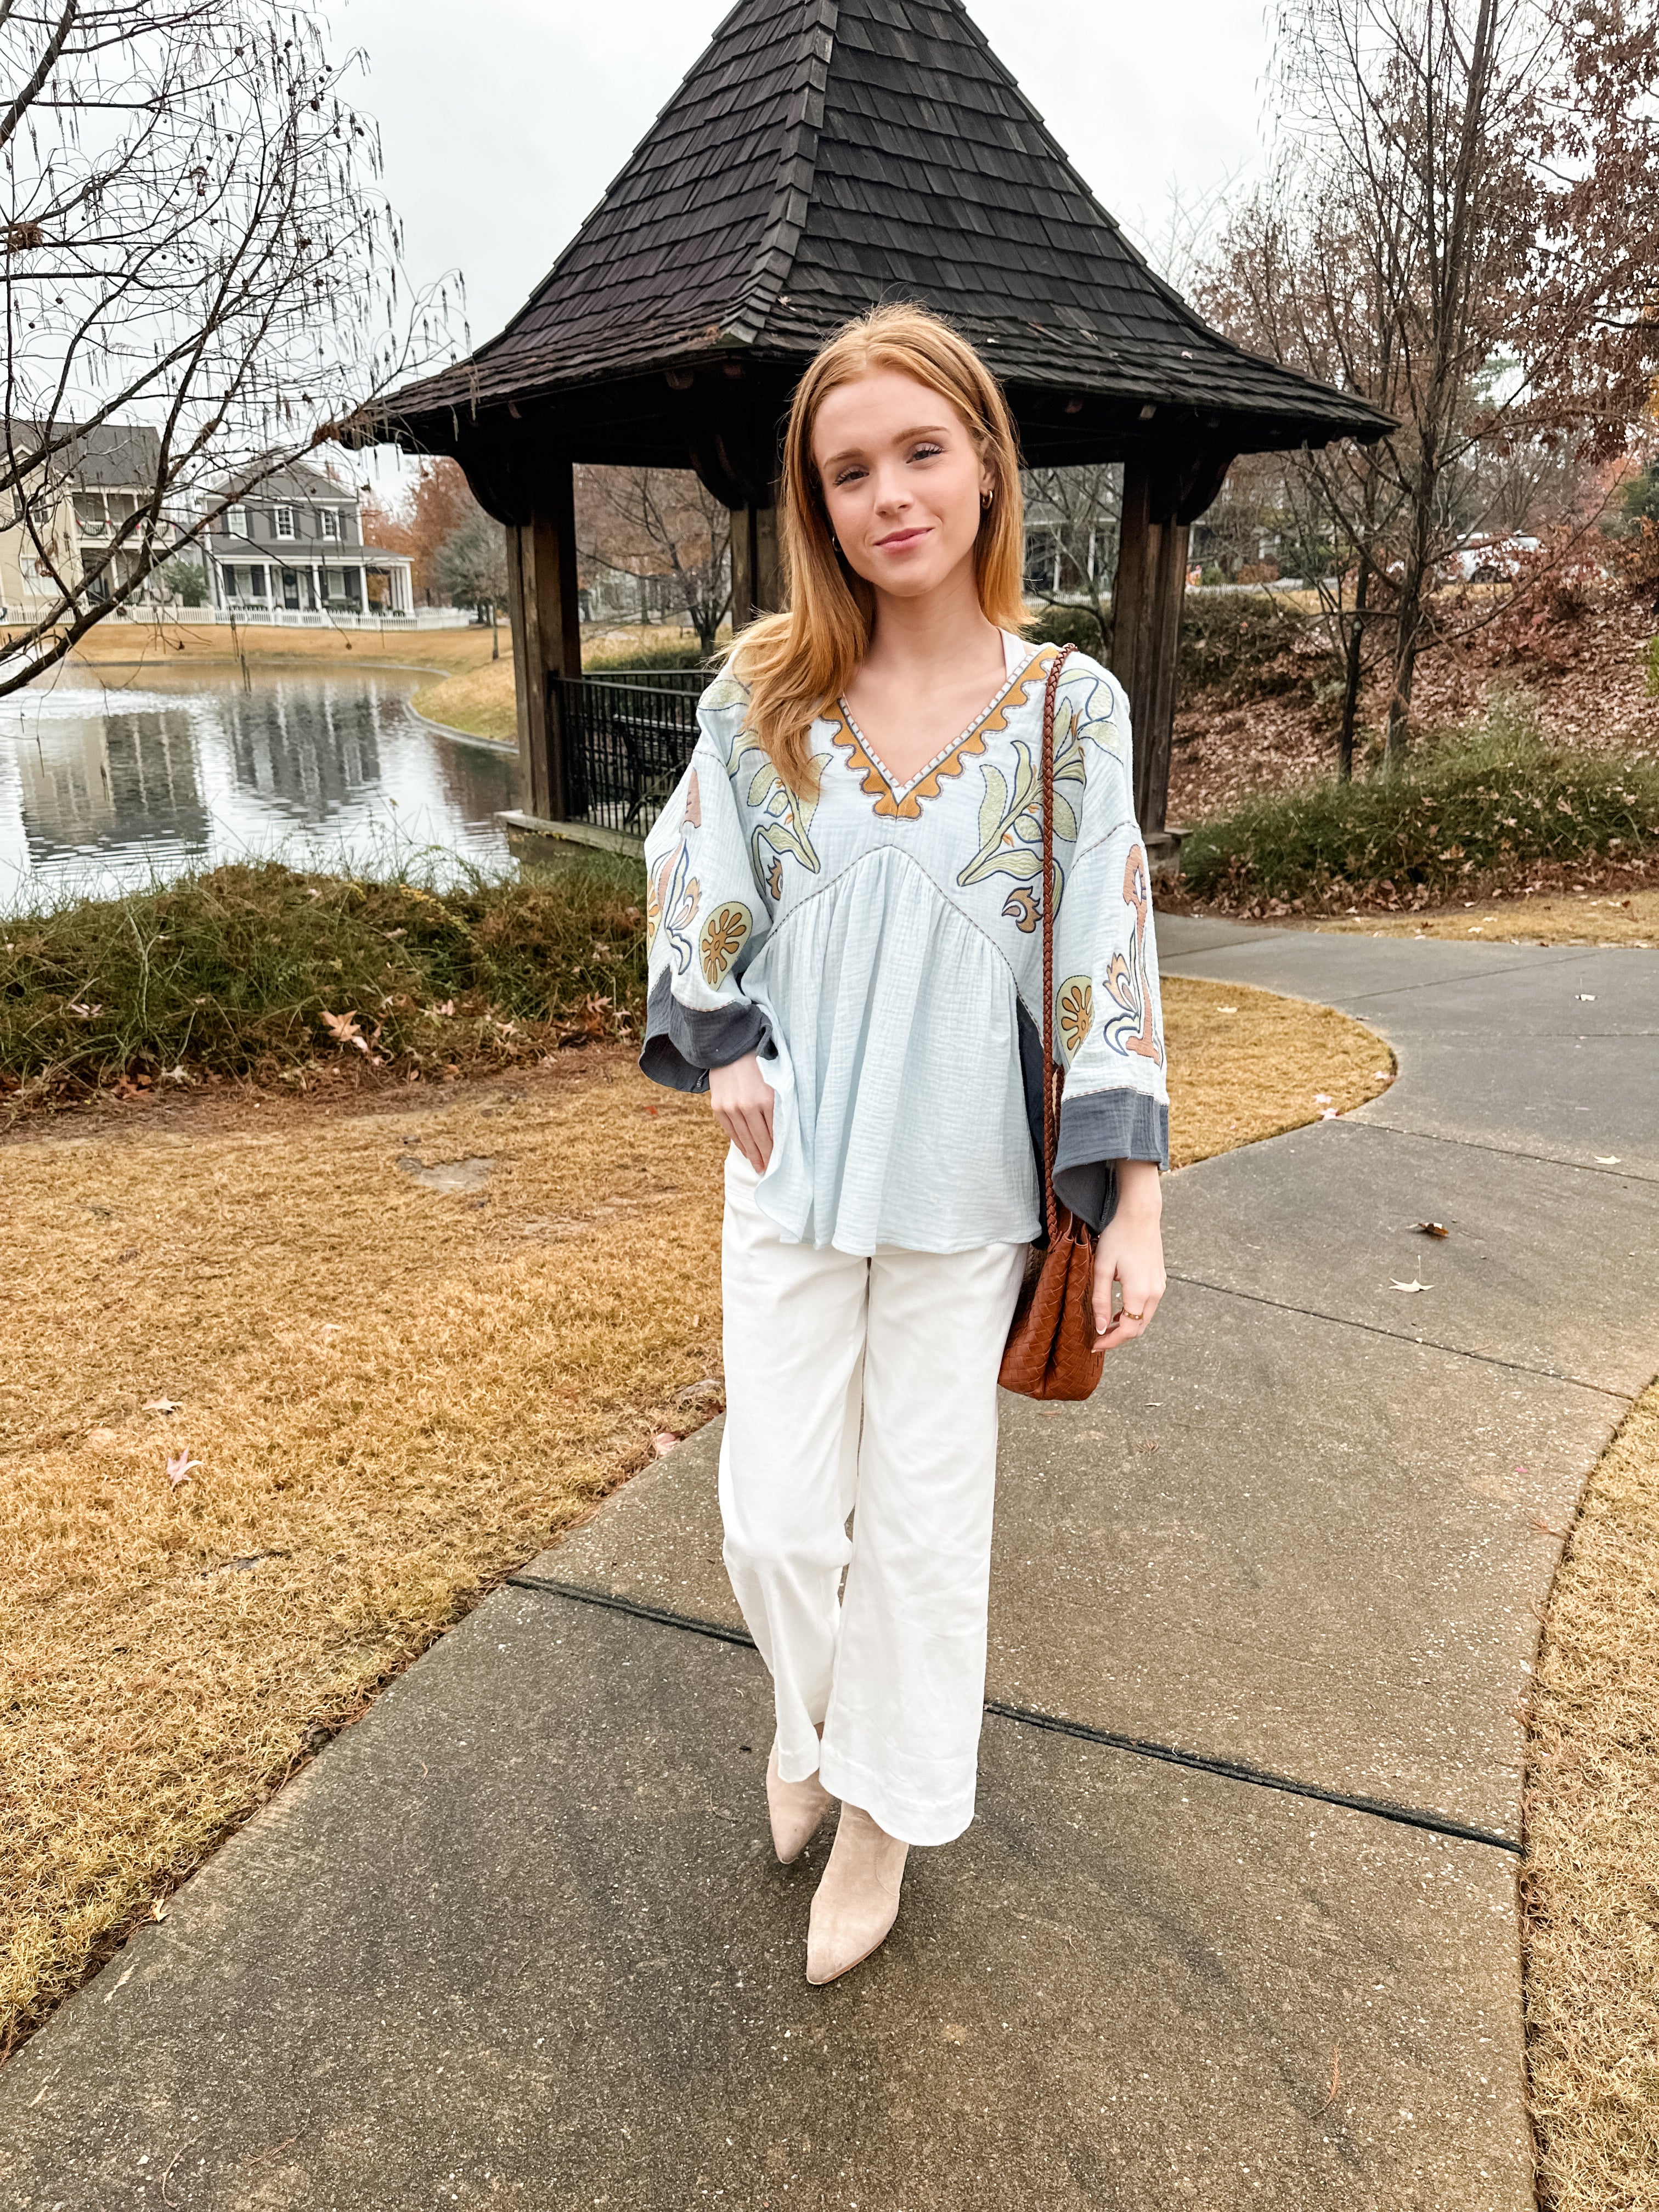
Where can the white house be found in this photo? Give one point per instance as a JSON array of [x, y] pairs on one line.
[[77, 504], [296, 545]]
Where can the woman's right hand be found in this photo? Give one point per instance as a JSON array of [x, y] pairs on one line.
[[742, 1099]]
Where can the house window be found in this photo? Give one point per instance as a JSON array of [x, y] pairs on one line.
[[283, 519], [235, 522], [330, 522]]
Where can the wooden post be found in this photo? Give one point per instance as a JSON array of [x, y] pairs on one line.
[[1146, 603], [545, 614], [756, 571]]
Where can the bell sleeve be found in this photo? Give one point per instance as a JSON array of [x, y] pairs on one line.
[[1108, 1019], [706, 916]]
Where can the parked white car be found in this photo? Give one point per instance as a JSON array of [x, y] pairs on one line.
[[1492, 560]]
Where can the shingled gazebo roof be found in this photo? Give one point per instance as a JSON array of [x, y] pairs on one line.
[[824, 155]]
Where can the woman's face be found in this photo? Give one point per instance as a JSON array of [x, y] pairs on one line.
[[903, 481]]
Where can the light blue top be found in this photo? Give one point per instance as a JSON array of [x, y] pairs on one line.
[[880, 944]]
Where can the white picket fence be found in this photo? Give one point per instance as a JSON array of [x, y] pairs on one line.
[[253, 616]]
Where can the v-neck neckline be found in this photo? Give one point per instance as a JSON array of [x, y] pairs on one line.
[[900, 792]]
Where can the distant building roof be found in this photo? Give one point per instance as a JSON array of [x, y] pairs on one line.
[[296, 483], [109, 457]]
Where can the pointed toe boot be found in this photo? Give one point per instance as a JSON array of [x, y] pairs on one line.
[[858, 1899], [797, 1809]]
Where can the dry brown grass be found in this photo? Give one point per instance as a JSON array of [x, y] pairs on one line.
[[1245, 1065], [125, 643], [1561, 918], [1591, 1892], [480, 701], [394, 1396]]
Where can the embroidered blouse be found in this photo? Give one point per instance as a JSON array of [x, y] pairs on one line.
[[879, 944]]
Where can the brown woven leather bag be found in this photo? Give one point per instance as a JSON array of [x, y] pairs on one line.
[[1052, 1350]]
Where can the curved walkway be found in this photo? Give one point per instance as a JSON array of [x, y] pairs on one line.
[[1235, 1923]]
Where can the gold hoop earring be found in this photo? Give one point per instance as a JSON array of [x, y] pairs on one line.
[[985, 499]]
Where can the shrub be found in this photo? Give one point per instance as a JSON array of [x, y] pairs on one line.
[[667, 654], [1066, 625], [1239, 646], [247, 970], [1471, 813]]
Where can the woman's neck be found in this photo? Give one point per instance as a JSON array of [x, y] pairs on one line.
[[920, 638]]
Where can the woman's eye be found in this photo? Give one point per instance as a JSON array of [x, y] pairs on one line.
[[848, 476], [925, 452]]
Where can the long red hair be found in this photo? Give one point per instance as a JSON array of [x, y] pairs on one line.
[[796, 662]]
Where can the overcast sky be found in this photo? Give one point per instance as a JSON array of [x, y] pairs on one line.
[[504, 120]]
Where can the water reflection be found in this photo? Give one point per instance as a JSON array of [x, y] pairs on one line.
[[101, 785]]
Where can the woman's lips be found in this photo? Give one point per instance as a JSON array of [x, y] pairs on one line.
[[898, 539]]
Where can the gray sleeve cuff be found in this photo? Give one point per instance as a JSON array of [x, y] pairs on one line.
[[1098, 1129], [682, 1043]]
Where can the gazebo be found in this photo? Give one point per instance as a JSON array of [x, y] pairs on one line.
[[822, 155]]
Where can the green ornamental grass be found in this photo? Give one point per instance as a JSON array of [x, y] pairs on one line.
[[247, 970], [1469, 813]]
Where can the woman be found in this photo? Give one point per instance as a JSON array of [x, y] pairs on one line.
[[845, 910]]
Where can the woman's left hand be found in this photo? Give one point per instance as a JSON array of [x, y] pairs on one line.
[[1130, 1253]]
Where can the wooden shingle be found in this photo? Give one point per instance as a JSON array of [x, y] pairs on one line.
[[824, 155]]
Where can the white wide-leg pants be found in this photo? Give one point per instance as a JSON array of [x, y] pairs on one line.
[[867, 1383]]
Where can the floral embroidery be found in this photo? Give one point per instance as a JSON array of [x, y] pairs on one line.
[[1022, 909], [1011, 812], [786, 823], [904, 803], [672, 892], [1074, 1006], [723, 934], [1134, 1030]]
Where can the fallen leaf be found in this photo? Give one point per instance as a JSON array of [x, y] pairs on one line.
[[180, 1466], [1322, 1098], [1380, 1075], [1412, 1285], [343, 1028], [1226, 1009], [1611, 1161], [664, 1442], [1432, 1228], [163, 1406], [1587, 998], [1327, 1114]]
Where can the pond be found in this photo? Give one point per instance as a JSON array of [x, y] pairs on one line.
[[109, 778]]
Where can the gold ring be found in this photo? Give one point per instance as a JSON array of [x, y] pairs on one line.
[[1127, 1315]]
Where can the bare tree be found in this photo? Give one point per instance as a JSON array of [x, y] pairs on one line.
[[1071, 521], [660, 522], [470, 566], [192, 245], [1463, 226]]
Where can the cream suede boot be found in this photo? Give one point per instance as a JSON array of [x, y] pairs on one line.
[[857, 1901], [797, 1809]]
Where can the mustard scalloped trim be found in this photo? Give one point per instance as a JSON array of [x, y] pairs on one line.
[[875, 780]]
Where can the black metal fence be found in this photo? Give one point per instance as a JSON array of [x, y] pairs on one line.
[[626, 743]]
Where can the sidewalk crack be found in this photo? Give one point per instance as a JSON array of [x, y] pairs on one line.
[[1400, 1336]]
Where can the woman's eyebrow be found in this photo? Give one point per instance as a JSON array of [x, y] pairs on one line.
[[902, 438]]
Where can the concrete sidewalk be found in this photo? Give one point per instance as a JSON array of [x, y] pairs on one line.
[[1235, 1923]]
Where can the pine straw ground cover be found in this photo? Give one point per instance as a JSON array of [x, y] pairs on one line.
[[384, 1397], [1562, 918], [1590, 1887]]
